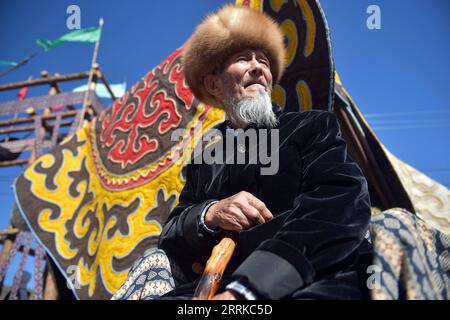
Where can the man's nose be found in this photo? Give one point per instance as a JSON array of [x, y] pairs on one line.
[[255, 68]]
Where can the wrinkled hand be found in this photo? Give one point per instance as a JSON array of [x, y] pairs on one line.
[[238, 212]]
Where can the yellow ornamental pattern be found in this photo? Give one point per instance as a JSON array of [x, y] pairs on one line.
[[304, 96], [279, 96], [311, 27], [289, 29], [100, 247], [277, 4]]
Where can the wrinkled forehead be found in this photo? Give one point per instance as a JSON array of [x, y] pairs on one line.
[[259, 53]]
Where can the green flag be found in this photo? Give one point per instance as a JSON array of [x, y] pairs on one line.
[[83, 35], [4, 63]]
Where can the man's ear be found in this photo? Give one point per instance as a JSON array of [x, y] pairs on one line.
[[211, 82]]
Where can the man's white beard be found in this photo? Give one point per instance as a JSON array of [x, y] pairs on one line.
[[255, 110]]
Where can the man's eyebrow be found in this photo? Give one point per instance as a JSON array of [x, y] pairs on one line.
[[243, 53], [262, 53], [263, 56]]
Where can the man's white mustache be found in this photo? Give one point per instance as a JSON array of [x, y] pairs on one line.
[[255, 81], [256, 110]]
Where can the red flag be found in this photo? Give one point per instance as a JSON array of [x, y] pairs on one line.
[[22, 93]]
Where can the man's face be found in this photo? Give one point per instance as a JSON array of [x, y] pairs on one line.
[[245, 74], [244, 85]]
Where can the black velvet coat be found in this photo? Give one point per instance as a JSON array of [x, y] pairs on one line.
[[319, 199]]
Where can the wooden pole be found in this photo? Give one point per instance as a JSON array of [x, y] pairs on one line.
[[366, 158], [10, 231], [106, 83], [31, 128], [91, 75], [66, 114], [10, 163], [8, 243], [16, 114], [41, 81], [21, 63]]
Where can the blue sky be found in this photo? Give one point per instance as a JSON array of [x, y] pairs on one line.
[[398, 75]]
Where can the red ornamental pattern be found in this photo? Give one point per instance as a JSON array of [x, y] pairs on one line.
[[135, 132], [130, 120]]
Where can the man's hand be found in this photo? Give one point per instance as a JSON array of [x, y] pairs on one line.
[[238, 212]]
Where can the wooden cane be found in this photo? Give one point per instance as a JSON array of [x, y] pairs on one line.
[[215, 267]]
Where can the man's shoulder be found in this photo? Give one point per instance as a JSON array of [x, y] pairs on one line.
[[307, 120], [305, 115]]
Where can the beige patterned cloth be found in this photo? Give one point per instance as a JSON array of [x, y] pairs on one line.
[[149, 278], [430, 199], [411, 258]]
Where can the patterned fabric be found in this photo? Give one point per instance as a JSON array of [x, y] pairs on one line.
[[412, 259], [38, 272], [19, 274], [11, 254], [149, 278], [98, 200], [431, 200]]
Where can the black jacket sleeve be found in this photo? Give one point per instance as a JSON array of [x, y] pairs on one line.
[[182, 238], [328, 222]]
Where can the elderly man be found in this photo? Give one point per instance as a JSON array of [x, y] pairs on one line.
[[301, 229]]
